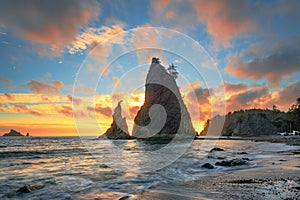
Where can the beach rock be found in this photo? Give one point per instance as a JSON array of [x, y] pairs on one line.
[[118, 128], [208, 166], [231, 163], [242, 153], [244, 181], [162, 91], [26, 189], [216, 149], [124, 198], [13, 133]]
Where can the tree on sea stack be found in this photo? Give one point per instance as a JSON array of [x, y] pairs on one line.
[[155, 60], [173, 71]]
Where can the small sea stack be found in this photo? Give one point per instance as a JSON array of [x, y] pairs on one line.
[[13, 133], [118, 128]]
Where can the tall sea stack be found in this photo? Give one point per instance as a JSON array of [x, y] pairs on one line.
[[163, 114]]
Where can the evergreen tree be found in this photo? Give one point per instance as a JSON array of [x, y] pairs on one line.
[[293, 115], [173, 71]]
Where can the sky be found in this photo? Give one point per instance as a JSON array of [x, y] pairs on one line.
[[65, 64]]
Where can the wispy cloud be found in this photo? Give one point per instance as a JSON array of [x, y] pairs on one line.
[[6, 82], [40, 87], [24, 109], [90, 37]]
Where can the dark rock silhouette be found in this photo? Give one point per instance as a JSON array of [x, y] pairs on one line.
[[118, 128], [13, 133], [27, 135], [163, 114]]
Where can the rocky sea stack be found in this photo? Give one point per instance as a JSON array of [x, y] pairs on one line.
[[13, 133], [162, 93], [254, 122], [118, 128]]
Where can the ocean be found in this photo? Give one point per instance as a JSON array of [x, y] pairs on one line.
[[64, 168]]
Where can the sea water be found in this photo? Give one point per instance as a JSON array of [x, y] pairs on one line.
[[64, 168]]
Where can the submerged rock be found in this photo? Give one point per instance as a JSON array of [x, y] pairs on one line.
[[242, 153], [13, 133], [163, 114], [208, 166], [26, 189], [118, 128], [124, 198], [216, 149], [232, 163]]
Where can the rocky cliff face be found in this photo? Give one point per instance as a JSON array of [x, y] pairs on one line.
[[163, 114], [13, 133], [118, 128], [253, 122]]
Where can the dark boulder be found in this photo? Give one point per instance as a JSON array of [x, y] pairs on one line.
[[216, 149], [208, 166]]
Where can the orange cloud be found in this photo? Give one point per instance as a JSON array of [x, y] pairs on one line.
[[235, 88], [106, 111], [65, 110], [76, 101], [116, 81], [24, 109], [31, 98], [9, 97], [51, 23], [225, 19], [253, 98], [43, 88], [174, 14]]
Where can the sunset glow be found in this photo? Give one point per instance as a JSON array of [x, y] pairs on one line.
[[257, 58]]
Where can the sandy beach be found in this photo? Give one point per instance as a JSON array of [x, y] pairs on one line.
[[280, 180]]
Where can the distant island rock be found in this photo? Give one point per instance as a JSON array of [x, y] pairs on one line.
[[254, 122], [162, 90], [13, 133], [118, 128]]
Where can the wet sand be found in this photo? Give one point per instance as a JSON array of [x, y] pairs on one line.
[[280, 180]]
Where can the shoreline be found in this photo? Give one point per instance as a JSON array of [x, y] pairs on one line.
[[290, 140], [269, 182], [279, 180]]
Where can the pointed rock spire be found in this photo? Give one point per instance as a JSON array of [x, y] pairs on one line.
[[118, 128]]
